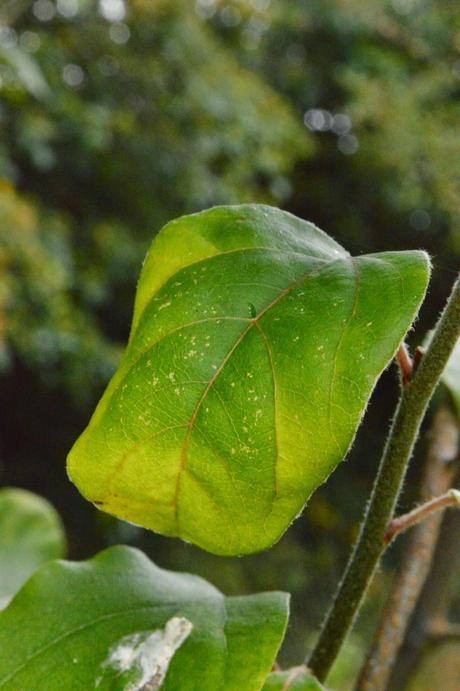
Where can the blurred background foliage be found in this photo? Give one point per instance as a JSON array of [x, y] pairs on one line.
[[117, 116]]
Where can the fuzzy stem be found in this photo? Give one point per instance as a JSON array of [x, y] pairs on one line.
[[438, 475], [404, 431]]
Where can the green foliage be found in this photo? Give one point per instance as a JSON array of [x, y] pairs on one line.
[[242, 385], [37, 276], [392, 69], [30, 534], [203, 129], [116, 621]]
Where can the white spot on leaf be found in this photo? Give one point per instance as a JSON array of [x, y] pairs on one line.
[[147, 655]]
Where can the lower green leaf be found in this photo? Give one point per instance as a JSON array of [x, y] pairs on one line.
[[119, 622], [30, 533]]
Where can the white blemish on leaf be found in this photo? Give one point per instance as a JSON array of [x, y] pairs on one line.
[[165, 304], [147, 655]]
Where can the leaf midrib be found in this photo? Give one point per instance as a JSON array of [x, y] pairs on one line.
[[253, 322], [324, 264]]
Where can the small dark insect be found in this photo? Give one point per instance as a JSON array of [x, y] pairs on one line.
[[252, 310]]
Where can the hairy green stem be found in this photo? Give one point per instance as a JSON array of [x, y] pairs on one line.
[[438, 475], [416, 395]]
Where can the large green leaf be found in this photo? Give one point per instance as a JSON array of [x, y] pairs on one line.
[[255, 345], [30, 534], [295, 679], [119, 622]]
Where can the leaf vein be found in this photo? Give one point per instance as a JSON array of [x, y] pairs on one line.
[[253, 322], [272, 369], [338, 347]]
